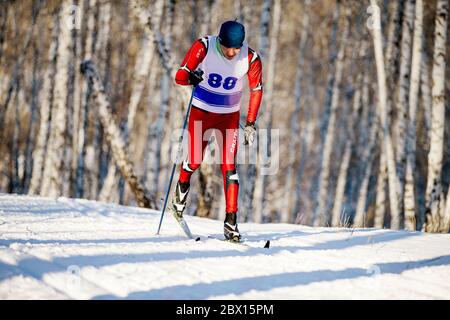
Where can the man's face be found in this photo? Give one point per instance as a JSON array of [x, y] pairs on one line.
[[230, 53]]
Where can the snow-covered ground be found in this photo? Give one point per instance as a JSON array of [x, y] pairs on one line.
[[78, 249]]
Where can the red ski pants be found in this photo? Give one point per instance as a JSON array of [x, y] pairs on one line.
[[225, 127]]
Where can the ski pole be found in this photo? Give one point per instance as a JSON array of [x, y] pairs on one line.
[[180, 140]]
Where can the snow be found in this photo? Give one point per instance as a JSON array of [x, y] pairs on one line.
[[78, 249]]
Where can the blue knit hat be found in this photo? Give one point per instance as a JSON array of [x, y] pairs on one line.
[[232, 34]]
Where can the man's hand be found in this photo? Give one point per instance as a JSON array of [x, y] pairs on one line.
[[249, 133], [195, 77]]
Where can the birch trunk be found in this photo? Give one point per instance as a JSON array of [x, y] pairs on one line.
[[89, 52], [305, 149], [264, 28], [109, 192], [166, 59], [410, 199], [393, 42], [367, 158], [380, 201], [142, 66], [294, 142], [114, 138], [97, 146], [46, 105], [53, 184], [425, 89], [31, 134], [14, 144], [3, 23], [340, 188], [112, 181], [322, 216], [446, 221], [435, 156], [332, 54], [14, 79], [261, 204], [250, 188], [77, 46], [160, 124], [152, 84], [336, 219], [391, 54], [402, 103], [384, 116]]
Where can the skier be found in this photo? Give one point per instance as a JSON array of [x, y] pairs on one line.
[[216, 66]]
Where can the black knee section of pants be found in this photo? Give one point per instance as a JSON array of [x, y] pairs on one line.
[[231, 177]]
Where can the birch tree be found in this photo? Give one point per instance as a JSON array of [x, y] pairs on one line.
[[114, 137], [306, 143], [159, 125], [141, 71], [45, 103], [435, 156], [261, 204], [18, 65], [391, 54], [410, 199], [322, 216], [383, 114], [295, 129], [143, 62], [32, 124], [52, 183], [425, 93], [336, 219], [97, 168], [250, 180], [393, 43], [446, 221], [402, 102], [360, 215], [89, 51]]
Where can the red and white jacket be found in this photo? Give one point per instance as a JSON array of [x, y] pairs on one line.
[[218, 92]]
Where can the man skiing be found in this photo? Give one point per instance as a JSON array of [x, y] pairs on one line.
[[216, 66]]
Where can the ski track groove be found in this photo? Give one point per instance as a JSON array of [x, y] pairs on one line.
[[17, 271]]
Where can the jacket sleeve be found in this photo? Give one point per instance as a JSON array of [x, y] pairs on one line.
[[193, 58], [255, 83]]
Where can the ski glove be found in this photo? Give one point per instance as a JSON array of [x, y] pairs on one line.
[[195, 77], [249, 133]]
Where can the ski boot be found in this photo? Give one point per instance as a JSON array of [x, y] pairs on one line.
[[230, 228], [179, 199]]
